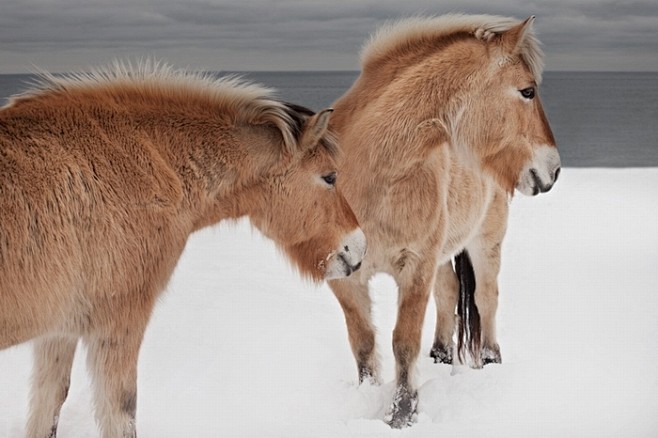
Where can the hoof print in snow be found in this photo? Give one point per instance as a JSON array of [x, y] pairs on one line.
[[403, 410]]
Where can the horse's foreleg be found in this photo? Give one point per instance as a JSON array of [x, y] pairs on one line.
[[414, 295], [355, 301], [446, 293], [112, 360], [53, 358]]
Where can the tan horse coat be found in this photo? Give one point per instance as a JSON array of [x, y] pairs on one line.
[[439, 129], [102, 179]]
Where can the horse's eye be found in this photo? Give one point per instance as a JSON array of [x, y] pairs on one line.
[[528, 93], [330, 178]]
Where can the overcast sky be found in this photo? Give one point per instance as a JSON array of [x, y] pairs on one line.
[[225, 35]]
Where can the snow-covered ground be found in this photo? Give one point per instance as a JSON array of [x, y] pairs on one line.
[[240, 347]]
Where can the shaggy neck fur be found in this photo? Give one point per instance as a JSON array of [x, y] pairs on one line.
[[183, 119], [413, 37], [398, 64]]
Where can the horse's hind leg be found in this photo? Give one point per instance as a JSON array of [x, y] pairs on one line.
[[355, 301], [53, 358], [485, 252], [486, 266], [446, 294]]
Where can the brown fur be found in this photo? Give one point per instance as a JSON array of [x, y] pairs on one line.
[[102, 179], [436, 136]]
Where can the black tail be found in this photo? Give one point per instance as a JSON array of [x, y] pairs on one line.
[[469, 332]]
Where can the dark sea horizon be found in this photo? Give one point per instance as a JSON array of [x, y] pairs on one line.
[[599, 119]]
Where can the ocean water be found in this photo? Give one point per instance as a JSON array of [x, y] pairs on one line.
[[600, 119]]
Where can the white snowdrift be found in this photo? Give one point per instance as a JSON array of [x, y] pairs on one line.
[[240, 347]]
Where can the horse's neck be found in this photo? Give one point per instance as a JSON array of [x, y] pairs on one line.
[[214, 168], [466, 170]]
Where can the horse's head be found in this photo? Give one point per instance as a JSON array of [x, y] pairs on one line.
[[306, 214], [504, 117]]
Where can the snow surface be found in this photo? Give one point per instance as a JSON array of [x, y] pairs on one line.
[[240, 347]]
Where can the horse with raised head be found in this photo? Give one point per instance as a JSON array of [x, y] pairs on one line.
[[442, 125], [103, 176]]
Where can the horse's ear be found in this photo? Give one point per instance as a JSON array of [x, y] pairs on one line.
[[512, 39], [315, 128]]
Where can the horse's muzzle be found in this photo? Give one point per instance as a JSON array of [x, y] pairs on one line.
[[541, 173], [348, 256], [539, 185]]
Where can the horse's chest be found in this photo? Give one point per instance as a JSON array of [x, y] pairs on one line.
[[465, 213]]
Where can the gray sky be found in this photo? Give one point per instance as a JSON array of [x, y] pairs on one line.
[[62, 35]]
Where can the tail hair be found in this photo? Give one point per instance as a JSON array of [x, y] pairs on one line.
[[469, 334]]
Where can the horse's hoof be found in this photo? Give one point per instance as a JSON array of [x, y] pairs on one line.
[[441, 354], [491, 355], [367, 374], [403, 410]]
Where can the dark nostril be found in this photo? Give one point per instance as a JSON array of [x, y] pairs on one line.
[[358, 265], [557, 173]]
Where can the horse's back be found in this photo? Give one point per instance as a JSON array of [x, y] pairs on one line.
[[83, 214]]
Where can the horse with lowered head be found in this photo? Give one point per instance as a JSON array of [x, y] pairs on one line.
[[442, 125], [104, 175]]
